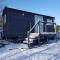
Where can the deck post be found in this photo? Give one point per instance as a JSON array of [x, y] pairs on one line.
[[39, 34], [28, 39]]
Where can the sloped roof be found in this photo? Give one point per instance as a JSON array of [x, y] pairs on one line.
[[27, 12]]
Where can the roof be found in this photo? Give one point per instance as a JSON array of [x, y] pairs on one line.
[[27, 12]]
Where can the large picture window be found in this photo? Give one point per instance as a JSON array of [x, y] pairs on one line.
[[49, 27]]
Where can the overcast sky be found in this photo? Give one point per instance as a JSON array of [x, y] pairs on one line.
[[46, 7]]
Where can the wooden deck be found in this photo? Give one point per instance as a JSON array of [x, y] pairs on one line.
[[48, 33]]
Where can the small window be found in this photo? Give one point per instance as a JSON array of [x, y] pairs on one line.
[[5, 19], [23, 14], [49, 20]]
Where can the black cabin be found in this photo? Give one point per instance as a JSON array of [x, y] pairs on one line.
[[16, 23]]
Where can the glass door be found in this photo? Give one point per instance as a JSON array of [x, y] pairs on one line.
[[38, 18]]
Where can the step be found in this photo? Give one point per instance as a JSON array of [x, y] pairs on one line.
[[26, 42], [30, 39], [33, 35]]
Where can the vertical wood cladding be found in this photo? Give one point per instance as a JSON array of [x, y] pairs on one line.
[[18, 22]]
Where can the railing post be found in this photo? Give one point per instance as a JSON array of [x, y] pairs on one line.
[[39, 34], [56, 33], [28, 33]]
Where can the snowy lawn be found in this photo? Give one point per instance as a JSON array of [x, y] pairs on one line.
[[49, 51]]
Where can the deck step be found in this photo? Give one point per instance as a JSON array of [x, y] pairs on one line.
[[26, 42], [32, 37]]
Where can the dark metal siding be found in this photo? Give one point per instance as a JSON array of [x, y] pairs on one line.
[[18, 24]]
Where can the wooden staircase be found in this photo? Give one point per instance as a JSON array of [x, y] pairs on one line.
[[35, 39], [32, 37], [39, 38]]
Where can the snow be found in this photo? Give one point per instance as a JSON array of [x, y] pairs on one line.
[[50, 51], [11, 46]]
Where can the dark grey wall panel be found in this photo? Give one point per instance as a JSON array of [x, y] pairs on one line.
[[18, 24]]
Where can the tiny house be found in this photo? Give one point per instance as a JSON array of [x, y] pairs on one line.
[[16, 23]]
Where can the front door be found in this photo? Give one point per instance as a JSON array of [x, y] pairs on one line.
[[38, 18]]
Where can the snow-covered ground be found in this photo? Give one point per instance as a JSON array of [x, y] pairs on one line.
[[50, 51]]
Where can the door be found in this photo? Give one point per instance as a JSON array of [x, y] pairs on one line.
[[38, 18]]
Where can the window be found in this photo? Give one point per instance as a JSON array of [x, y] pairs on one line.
[[5, 19], [23, 14], [49, 27], [49, 20]]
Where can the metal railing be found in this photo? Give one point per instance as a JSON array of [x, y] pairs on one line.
[[38, 23], [28, 33]]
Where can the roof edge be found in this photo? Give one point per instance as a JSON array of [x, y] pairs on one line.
[[26, 11]]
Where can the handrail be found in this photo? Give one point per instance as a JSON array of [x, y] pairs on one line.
[[35, 25], [38, 23], [28, 33]]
